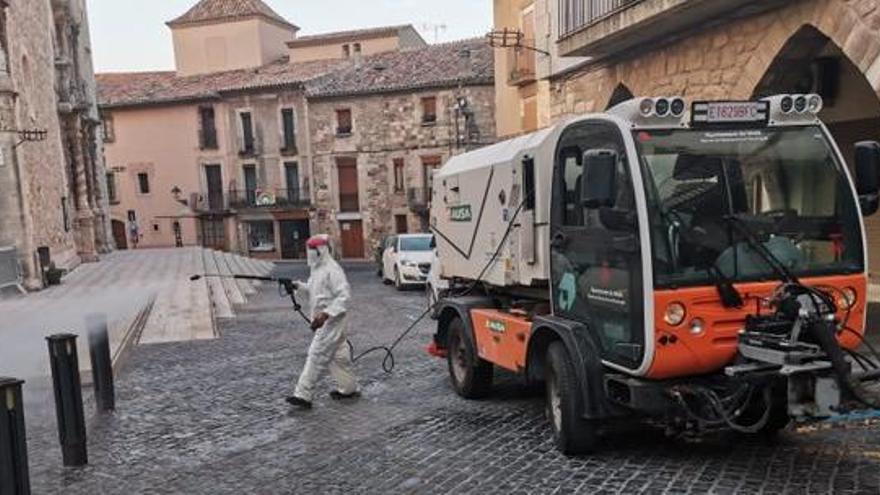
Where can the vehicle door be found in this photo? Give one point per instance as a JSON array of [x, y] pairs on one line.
[[596, 264]]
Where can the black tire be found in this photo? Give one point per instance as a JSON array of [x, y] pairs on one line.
[[573, 434], [471, 376], [398, 283]]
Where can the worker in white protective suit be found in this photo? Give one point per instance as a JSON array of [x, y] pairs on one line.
[[328, 293]]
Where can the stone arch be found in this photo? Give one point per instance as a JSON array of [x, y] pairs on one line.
[[812, 61], [620, 94], [853, 26]]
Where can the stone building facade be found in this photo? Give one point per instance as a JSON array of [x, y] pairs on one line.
[[250, 148], [405, 122], [52, 187], [717, 49]]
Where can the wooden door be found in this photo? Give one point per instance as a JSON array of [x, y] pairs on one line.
[[119, 234], [352, 239], [213, 232], [349, 200], [294, 234]]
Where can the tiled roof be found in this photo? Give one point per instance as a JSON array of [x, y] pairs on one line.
[[347, 35], [430, 67], [154, 88], [467, 62], [208, 11]]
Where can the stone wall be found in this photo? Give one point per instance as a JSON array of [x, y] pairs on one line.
[[37, 178], [38, 168], [385, 128], [730, 60]]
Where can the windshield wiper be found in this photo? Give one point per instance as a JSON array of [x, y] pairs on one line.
[[782, 271]]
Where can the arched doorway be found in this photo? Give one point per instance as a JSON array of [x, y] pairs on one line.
[[810, 62], [119, 234], [621, 94]]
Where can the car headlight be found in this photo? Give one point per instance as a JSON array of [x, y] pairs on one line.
[[409, 263], [675, 314]]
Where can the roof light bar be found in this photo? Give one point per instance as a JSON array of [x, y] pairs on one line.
[[795, 108], [660, 111]]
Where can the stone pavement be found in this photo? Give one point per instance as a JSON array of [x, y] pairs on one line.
[[146, 294], [208, 417]]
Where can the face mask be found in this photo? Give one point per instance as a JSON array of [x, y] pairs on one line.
[[313, 256]]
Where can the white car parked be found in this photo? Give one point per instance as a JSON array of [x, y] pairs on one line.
[[407, 260]]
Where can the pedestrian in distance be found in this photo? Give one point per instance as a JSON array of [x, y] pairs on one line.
[[329, 294]]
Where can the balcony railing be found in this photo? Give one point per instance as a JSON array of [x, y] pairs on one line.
[[577, 14], [522, 63], [419, 199], [264, 198]]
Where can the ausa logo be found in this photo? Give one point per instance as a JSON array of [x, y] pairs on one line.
[[460, 213], [496, 326]]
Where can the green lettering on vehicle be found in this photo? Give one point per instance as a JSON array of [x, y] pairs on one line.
[[460, 213]]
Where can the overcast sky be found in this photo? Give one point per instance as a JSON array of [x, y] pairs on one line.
[[131, 35]]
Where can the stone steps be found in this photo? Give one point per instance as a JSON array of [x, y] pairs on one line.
[[227, 293], [219, 300]]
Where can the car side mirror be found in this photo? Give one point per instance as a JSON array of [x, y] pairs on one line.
[[868, 176], [599, 179]]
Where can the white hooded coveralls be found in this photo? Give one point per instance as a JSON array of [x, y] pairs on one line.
[[328, 292]]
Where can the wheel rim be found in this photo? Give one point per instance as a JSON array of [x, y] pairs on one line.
[[459, 360], [554, 403]]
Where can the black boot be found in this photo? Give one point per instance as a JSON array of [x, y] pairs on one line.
[[298, 403]]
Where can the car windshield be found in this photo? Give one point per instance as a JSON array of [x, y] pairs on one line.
[[415, 243], [708, 189]]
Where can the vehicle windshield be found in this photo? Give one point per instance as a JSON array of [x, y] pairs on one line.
[[784, 185], [415, 243]]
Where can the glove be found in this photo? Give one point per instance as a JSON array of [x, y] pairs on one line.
[[319, 321]]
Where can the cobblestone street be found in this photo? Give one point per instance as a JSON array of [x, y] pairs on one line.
[[209, 417]]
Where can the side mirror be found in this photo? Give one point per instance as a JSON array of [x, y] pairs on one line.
[[868, 176], [599, 179]]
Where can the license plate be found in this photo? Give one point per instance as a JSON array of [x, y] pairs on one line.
[[730, 112]]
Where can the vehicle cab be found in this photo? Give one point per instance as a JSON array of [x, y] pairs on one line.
[[656, 213]]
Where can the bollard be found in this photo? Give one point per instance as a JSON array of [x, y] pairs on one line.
[[14, 478], [68, 399], [102, 363]]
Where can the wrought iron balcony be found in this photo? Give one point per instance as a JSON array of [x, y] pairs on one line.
[[575, 15], [599, 28], [522, 64], [241, 199], [419, 199]]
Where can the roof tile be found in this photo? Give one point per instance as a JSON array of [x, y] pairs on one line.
[[465, 62], [207, 11]]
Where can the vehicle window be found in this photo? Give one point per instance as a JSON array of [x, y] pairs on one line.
[[415, 243], [783, 185], [573, 146]]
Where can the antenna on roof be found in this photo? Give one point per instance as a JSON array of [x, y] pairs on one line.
[[437, 28]]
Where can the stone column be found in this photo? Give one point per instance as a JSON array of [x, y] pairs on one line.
[[85, 219]]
